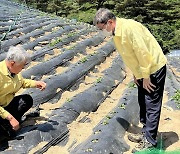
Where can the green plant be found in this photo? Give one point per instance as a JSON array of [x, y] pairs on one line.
[[170, 77], [54, 42], [89, 150], [71, 34], [105, 122], [68, 100], [99, 80], [122, 106], [92, 54], [108, 117], [97, 132], [42, 14], [176, 98], [83, 60], [71, 47], [94, 141], [132, 85], [113, 112]]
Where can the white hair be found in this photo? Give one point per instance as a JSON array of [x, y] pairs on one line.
[[103, 15], [17, 54]]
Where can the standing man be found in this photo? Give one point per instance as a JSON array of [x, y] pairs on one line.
[[12, 107], [142, 54]]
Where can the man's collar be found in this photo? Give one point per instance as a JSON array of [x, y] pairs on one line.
[[117, 27], [5, 69]]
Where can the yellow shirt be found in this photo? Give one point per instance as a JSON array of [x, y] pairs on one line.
[[138, 48], [9, 86]]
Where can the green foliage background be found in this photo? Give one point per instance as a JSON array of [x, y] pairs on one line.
[[162, 17]]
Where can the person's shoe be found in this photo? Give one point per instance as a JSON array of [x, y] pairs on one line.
[[143, 145], [136, 137], [32, 114]]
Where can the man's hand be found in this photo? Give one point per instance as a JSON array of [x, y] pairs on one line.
[[14, 123], [41, 85], [135, 81], [148, 85]]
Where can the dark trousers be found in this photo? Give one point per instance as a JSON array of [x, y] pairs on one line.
[[150, 104], [17, 107]]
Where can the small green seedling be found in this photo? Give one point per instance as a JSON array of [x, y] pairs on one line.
[[71, 34], [71, 47], [112, 112], [92, 54], [89, 150], [132, 85], [83, 60], [97, 132], [54, 42], [68, 100], [99, 80], [94, 141], [108, 117], [176, 98], [170, 77], [122, 106], [105, 122]]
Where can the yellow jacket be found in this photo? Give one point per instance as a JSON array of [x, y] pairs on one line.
[[9, 86], [138, 48]]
